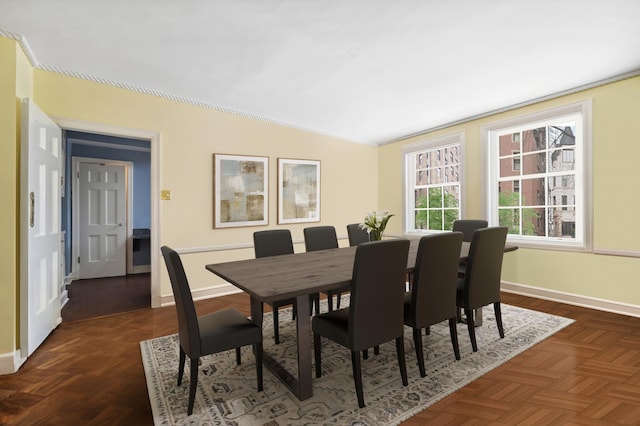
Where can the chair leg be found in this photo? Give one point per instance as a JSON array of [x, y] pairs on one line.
[[498, 312], [276, 331], [181, 366], [338, 297], [401, 361], [417, 340], [459, 314], [238, 357], [472, 329], [258, 351], [453, 329], [357, 376], [318, 356], [365, 354], [427, 330], [376, 350], [316, 302], [330, 301], [193, 384]]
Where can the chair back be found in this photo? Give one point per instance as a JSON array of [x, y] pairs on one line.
[[468, 226], [376, 309], [188, 330], [433, 290], [273, 242], [484, 267], [320, 238], [357, 235]]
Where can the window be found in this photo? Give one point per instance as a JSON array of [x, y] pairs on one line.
[[432, 189], [545, 200]]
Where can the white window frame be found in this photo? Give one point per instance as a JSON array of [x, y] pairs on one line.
[[583, 169], [409, 171]]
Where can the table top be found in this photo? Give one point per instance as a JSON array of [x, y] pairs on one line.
[[269, 279]]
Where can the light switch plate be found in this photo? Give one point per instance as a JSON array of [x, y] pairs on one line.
[[165, 194]]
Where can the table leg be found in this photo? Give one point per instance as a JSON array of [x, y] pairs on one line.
[[257, 310], [303, 323], [477, 317], [301, 386]]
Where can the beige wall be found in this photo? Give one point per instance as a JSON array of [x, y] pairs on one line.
[[616, 198], [188, 136], [15, 83]]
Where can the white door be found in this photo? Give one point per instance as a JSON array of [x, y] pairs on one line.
[[103, 227], [40, 227]]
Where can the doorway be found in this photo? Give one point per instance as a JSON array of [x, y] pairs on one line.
[[108, 199]]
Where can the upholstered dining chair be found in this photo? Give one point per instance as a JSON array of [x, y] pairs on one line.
[[277, 242], [432, 298], [375, 312], [207, 334], [480, 285], [357, 235], [323, 238], [467, 227]]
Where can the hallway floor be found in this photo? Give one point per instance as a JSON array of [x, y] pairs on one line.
[[91, 298]]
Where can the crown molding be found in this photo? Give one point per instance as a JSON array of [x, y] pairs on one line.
[[24, 45]]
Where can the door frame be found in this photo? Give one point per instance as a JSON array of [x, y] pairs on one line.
[[156, 148], [75, 206]]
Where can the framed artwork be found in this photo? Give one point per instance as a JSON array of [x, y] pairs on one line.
[[298, 191], [240, 190]]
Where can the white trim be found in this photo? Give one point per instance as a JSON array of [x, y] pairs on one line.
[[156, 163], [204, 293], [109, 145], [455, 138], [584, 170], [141, 269], [611, 252], [572, 299], [11, 362]]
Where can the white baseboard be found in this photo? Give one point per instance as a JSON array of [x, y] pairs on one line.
[[10, 362], [141, 269], [203, 293], [572, 299]]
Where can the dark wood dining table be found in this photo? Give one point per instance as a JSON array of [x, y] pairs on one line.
[[275, 278]]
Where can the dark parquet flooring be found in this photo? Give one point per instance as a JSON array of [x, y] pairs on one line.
[[90, 373], [91, 298]]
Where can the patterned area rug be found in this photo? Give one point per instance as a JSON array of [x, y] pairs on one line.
[[227, 393]]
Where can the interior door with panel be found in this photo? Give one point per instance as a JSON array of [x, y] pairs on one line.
[[41, 253], [102, 214]]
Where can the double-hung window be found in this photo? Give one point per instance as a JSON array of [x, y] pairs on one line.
[[433, 171], [539, 176]]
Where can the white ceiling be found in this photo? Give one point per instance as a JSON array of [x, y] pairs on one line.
[[369, 71]]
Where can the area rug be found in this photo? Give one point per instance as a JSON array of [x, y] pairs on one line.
[[227, 393]]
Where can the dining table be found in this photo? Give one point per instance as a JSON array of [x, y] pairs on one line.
[[296, 276]]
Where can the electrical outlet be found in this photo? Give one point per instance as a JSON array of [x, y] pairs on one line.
[[165, 194]]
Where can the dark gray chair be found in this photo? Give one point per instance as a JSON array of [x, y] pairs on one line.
[[375, 314], [357, 235], [324, 238], [207, 334], [467, 227], [480, 285], [432, 298], [276, 242]]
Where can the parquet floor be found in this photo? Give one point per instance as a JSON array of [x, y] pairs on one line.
[[91, 298], [90, 372]]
